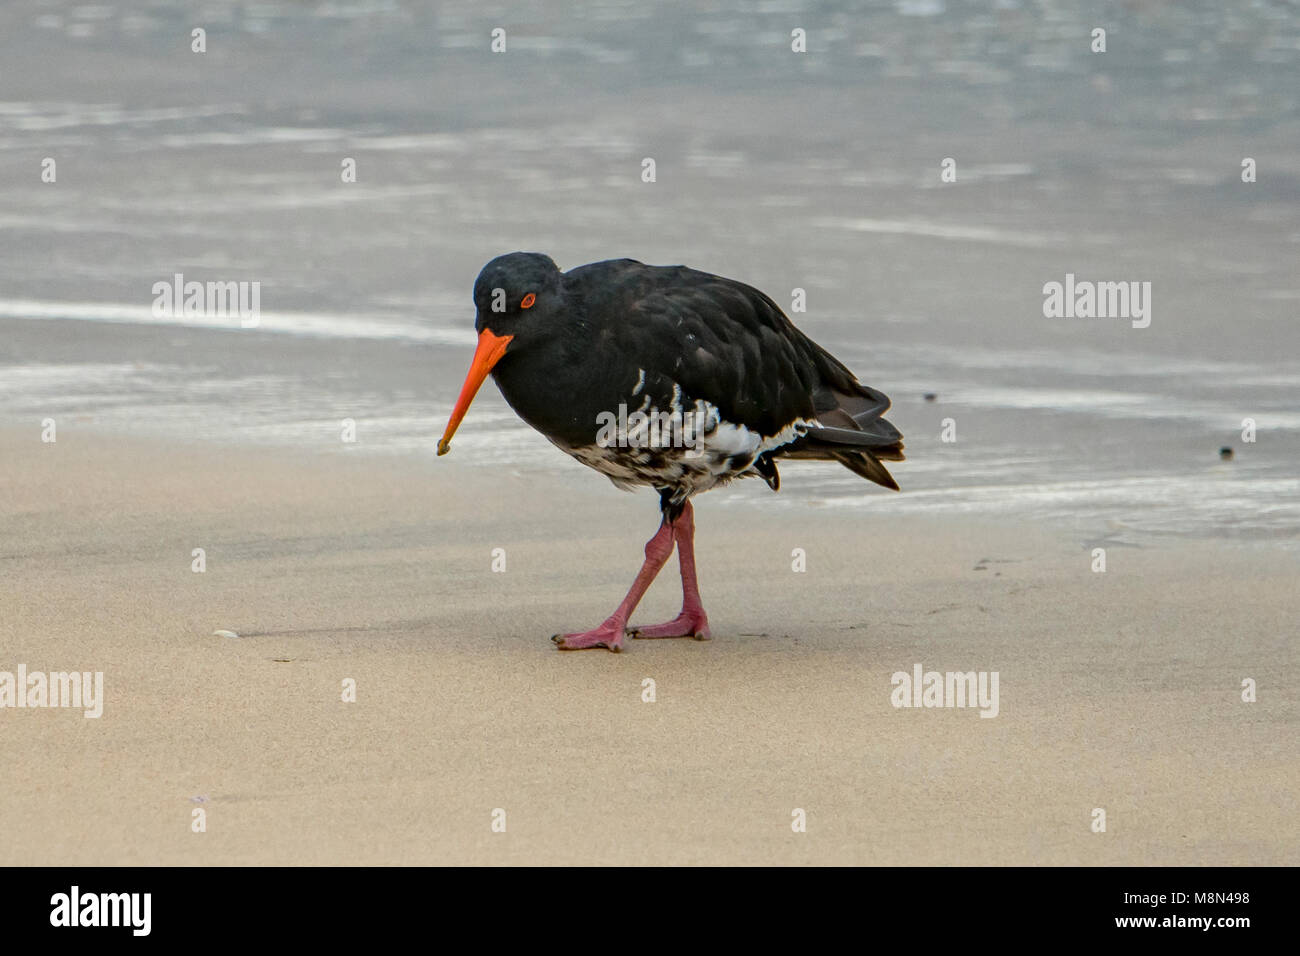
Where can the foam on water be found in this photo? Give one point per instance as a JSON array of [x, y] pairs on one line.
[[357, 326]]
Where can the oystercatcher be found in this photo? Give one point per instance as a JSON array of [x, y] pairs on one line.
[[670, 378]]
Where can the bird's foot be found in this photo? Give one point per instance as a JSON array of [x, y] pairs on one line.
[[609, 635], [687, 624]]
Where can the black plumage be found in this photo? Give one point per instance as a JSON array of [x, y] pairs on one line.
[[599, 331]]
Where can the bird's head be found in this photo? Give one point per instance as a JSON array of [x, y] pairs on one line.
[[516, 295]]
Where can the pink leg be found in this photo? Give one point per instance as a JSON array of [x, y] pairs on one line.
[[692, 622], [610, 633]]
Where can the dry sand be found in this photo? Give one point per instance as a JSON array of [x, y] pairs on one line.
[[1118, 690]]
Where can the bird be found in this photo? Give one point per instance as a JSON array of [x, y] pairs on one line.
[[669, 378]]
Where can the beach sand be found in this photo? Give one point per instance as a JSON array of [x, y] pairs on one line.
[[1118, 690]]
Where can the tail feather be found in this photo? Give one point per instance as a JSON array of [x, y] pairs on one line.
[[867, 465], [861, 458], [850, 428]]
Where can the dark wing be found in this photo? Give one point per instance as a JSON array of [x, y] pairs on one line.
[[731, 345]]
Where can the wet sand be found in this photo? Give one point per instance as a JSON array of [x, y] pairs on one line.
[[1119, 690]]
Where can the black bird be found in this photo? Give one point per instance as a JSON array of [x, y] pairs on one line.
[[671, 378]]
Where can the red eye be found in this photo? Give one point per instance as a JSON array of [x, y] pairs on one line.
[[529, 299]]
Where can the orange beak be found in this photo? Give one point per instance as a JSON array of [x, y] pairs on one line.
[[490, 349]]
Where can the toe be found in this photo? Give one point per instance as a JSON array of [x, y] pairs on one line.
[[585, 640]]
